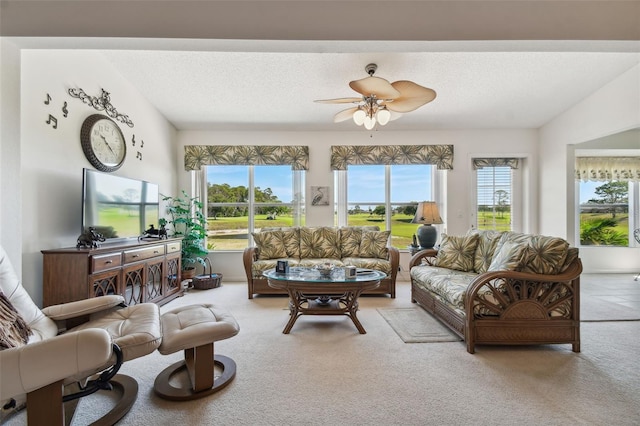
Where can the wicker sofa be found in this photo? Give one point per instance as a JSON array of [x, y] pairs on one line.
[[501, 288], [362, 247]]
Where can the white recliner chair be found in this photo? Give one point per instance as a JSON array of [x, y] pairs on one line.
[[84, 357]]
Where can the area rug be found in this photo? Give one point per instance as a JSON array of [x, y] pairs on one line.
[[415, 325]]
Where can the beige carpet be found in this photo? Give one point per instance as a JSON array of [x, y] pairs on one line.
[[415, 325], [325, 373]]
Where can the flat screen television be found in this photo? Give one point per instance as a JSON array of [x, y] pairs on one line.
[[118, 207]]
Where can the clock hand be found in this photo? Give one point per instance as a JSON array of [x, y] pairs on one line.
[[107, 143]]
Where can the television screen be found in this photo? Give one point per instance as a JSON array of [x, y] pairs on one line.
[[118, 207]]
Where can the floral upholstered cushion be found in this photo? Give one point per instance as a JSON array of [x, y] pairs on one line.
[[509, 256], [291, 237], [378, 264], [270, 245], [350, 239], [374, 244], [547, 255], [487, 243], [457, 252], [321, 242]]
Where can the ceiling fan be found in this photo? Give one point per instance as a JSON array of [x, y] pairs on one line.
[[381, 101]]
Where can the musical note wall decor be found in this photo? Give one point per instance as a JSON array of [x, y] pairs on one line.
[[133, 140], [65, 111], [53, 121], [139, 155], [46, 102]]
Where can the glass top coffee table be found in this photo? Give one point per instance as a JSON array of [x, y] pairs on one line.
[[311, 293]]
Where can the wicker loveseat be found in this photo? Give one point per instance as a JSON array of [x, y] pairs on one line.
[[362, 247], [501, 288]]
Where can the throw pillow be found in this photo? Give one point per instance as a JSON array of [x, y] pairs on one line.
[[374, 244], [291, 237], [547, 255], [319, 243], [14, 331], [487, 242], [509, 256], [270, 245], [457, 252], [350, 239]]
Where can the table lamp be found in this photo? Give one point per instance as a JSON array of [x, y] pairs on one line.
[[427, 214]]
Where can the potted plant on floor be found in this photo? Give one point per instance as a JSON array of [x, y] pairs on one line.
[[189, 223]]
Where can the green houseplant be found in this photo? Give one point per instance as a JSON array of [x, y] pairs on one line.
[[189, 223]]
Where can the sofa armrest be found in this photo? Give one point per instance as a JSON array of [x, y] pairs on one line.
[[83, 307], [33, 366], [426, 256], [539, 294]]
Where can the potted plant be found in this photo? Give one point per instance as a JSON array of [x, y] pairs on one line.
[[189, 223]]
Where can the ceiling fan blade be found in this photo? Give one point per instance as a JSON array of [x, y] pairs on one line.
[[344, 115], [375, 86], [339, 101], [412, 96], [395, 115]]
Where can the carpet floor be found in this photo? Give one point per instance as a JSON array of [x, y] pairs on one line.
[[325, 373]]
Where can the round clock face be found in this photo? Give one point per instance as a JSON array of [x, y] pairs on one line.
[[103, 143]]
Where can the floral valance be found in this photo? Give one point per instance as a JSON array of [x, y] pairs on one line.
[[439, 155], [480, 163], [196, 156], [599, 169]]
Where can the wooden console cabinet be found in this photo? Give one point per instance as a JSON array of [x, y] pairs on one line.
[[147, 271]]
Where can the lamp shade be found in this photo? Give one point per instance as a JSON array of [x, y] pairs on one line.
[[427, 213]]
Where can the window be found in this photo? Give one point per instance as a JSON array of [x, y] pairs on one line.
[[608, 213], [385, 196], [607, 188], [493, 198], [498, 193], [242, 199]]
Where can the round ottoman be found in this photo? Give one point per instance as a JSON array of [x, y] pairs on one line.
[[193, 329]]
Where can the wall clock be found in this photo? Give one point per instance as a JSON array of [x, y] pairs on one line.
[[103, 143]]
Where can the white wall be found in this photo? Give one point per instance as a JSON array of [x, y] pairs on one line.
[[467, 144], [10, 186], [612, 109], [51, 160]]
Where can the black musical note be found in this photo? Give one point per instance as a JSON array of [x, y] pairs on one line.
[[53, 120], [139, 155], [48, 100], [141, 144], [133, 140], [65, 111]]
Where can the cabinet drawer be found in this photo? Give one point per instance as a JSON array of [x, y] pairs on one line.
[[143, 253], [174, 247], [105, 261]]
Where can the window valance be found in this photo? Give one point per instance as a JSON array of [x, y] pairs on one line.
[[439, 155], [196, 156], [599, 169], [480, 163]]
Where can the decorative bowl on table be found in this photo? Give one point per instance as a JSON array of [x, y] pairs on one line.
[[325, 269]]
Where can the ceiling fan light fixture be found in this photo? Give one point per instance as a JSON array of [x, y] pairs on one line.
[[381, 101], [359, 117], [369, 122], [383, 116]]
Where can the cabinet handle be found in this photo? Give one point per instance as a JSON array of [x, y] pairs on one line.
[[108, 262], [136, 255], [156, 252]]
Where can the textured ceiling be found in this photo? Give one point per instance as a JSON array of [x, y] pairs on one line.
[[275, 88]]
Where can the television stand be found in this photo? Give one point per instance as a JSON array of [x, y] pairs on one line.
[[140, 271]]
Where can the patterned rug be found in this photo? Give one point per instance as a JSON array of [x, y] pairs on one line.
[[415, 325]]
